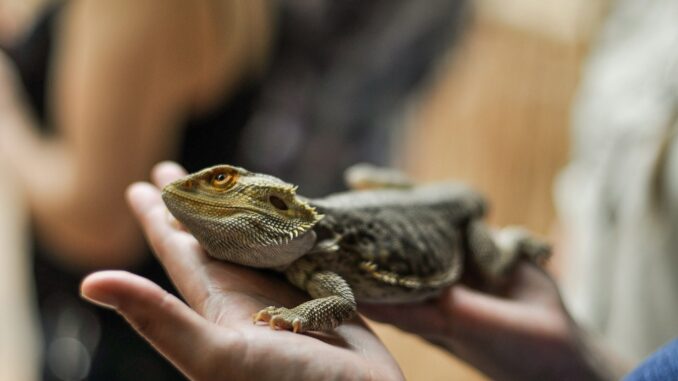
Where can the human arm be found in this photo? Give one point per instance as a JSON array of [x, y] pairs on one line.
[[522, 332], [215, 338], [123, 77]]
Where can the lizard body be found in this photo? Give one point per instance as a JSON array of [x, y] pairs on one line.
[[389, 242]]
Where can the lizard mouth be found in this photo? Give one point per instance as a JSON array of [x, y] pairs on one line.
[[180, 202], [171, 192]]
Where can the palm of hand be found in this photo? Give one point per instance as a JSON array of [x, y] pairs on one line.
[[221, 340], [355, 351]]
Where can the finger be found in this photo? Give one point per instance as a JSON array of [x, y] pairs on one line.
[[177, 250], [166, 322], [166, 172], [149, 209]]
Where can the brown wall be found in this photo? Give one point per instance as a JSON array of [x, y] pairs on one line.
[[497, 118]]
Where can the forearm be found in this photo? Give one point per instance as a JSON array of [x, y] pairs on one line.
[[82, 228], [91, 242], [112, 122]]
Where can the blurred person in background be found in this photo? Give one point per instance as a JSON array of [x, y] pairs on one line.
[[618, 196], [101, 90]]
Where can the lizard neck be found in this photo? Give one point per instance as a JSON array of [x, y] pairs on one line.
[[276, 257]]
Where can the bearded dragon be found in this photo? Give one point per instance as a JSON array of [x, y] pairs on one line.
[[386, 241]]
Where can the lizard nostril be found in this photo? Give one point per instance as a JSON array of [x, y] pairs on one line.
[[188, 185]]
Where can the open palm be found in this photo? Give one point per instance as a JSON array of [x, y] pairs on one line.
[[215, 338]]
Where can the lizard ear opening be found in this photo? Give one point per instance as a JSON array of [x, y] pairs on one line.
[[278, 203]]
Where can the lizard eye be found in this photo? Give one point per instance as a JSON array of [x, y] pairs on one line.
[[221, 180], [278, 203]]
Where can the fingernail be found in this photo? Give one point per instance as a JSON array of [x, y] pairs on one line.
[[102, 300]]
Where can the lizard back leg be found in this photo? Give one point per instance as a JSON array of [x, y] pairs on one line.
[[332, 303], [495, 253]]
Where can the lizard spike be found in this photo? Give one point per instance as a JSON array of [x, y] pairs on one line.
[[281, 240]]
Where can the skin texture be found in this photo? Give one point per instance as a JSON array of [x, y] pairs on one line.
[[518, 332]]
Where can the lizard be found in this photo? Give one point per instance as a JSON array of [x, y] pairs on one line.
[[386, 240]]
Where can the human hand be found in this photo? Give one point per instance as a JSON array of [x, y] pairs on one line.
[[521, 332], [215, 338]]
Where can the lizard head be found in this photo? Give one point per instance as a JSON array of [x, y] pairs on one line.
[[243, 217]]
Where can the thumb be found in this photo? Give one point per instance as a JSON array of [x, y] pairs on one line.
[[166, 322]]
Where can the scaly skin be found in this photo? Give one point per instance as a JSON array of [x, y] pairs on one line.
[[391, 242]]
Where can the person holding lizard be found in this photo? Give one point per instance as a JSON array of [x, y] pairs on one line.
[[526, 333]]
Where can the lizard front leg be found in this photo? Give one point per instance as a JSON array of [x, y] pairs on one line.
[[332, 303]]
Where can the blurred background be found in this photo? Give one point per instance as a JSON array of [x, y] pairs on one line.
[[485, 96]]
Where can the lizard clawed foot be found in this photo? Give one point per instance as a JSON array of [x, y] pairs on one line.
[[281, 318], [535, 250], [527, 245]]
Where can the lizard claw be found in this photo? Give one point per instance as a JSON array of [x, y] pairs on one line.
[[277, 322], [280, 318], [263, 315], [296, 325]]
